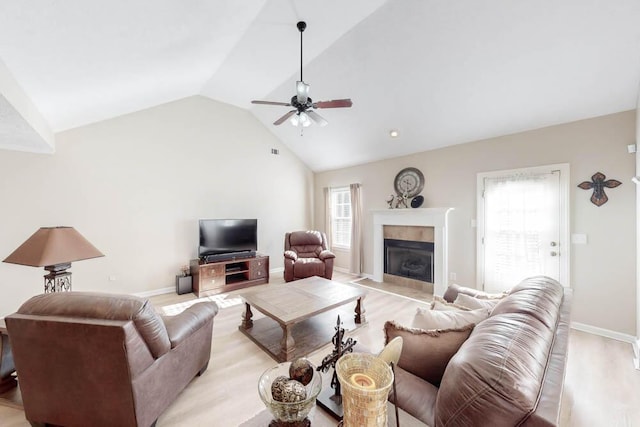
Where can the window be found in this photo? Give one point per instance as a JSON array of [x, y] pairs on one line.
[[341, 217]]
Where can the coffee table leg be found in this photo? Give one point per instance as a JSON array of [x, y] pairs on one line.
[[287, 344], [360, 317], [247, 323]]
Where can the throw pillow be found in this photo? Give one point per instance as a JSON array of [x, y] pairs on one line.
[[441, 304], [447, 319], [475, 303], [427, 353]]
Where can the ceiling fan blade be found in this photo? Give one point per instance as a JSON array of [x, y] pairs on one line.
[[335, 103], [284, 104], [302, 92], [284, 118], [317, 118]]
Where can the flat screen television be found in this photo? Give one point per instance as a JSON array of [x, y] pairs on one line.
[[227, 236]]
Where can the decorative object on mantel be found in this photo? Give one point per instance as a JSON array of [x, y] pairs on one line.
[[408, 183], [417, 201], [54, 248], [332, 403], [390, 200], [598, 185]]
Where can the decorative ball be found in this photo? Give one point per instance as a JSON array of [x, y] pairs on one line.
[[293, 391], [301, 370], [277, 388]]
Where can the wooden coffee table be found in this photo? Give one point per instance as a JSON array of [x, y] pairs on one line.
[[301, 315]]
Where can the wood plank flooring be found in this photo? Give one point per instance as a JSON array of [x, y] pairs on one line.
[[601, 389]]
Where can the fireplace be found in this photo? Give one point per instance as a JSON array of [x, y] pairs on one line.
[[420, 217], [410, 259]]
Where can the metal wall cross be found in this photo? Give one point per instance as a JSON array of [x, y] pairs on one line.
[[598, 184]]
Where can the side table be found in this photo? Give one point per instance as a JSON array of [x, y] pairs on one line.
[[7, 368]]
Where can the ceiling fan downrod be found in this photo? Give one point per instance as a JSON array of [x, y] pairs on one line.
[[301, 27]]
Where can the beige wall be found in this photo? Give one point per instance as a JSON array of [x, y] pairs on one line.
[[135, 187], [603, 272]]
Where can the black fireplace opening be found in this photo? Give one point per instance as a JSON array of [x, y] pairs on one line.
[[408, 258]]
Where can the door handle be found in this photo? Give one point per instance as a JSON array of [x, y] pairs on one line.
[[554, 244], [553, 253]]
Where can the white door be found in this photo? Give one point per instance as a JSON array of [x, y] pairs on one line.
[[523, 226]]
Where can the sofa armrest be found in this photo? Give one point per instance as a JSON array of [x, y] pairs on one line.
[[326, 254], [182, 325], [291, 255]]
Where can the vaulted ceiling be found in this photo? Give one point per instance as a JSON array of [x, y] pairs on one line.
[[440, 72]]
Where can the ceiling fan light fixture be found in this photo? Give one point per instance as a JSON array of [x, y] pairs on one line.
[[301, 119], [305, 120]]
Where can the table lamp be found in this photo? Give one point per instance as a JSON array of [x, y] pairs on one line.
[[54, 248]]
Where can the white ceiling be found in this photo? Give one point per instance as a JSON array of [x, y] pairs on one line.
[[442, 72]]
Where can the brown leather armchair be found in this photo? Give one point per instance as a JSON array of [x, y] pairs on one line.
[[92, 359], [306, 255]]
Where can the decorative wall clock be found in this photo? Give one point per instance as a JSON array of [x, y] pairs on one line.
[[409, 182]]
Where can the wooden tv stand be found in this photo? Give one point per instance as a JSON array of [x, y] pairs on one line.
[[224, 276]]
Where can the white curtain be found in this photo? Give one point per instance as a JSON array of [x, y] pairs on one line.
[[327, 215], [519, 228], [356, 229]]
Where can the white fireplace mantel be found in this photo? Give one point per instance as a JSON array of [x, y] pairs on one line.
[[427, 217]]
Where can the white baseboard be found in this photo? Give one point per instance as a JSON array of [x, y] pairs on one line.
[[636, 352], [147, 294], [607, 333]]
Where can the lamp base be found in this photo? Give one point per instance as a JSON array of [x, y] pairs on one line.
[[58, 279]]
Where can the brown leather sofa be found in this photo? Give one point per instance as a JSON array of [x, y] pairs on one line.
[[509, 372], [306, 255], [91, 359]]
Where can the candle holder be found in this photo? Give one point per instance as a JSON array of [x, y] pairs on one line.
[[332, 402], [365, 381]]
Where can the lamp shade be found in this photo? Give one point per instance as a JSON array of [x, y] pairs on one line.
[[51, 246]]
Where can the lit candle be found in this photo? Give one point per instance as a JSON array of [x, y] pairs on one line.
[[362, 381]]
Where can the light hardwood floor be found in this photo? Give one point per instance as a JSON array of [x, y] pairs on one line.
[[601, 388]]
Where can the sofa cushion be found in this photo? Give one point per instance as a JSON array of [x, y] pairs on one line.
[[441, 304], [307, 267], [496, 376], [447, 319], [425, 353], [476, 303]]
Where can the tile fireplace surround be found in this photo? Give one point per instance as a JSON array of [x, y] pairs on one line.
[[428, 217]]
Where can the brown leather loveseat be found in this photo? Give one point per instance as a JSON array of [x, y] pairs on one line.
[[92, 359], [509, 371], [306, 255]]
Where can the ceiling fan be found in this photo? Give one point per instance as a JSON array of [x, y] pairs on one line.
[[303, 106]]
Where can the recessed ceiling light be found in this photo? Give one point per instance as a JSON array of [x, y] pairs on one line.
[[393, 133]]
